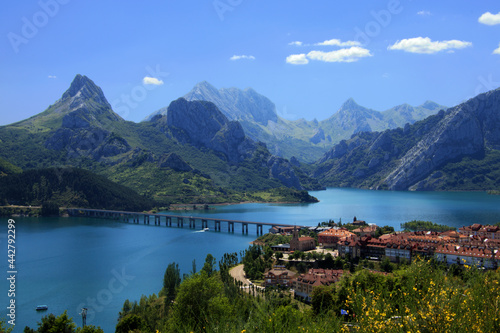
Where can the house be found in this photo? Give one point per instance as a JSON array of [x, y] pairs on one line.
[[281, 248], [349, 247], [304, 284], [355, 221], [473, 245], [466, 255], [281, 230], [331, 237], [374, 248], [488, 231], [366, 230], [398, 250], [279, 276], [301, 243]]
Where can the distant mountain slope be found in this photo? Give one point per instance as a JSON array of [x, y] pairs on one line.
[[352, 118], [305, 140], [193, 154], [457, 149]]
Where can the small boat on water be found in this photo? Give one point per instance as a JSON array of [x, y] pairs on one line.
[[41, 307], [206, 229]]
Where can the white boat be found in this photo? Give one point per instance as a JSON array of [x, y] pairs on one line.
[[206, 229], [41, 307]]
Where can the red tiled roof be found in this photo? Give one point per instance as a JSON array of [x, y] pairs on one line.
[[318, 277], [468, 251]]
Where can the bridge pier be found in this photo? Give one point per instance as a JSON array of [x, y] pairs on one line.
[[259, 229], [204, 224], [230, 226], [180, 222], [217, 225], [192, 223], [168, 221], [244, 228]]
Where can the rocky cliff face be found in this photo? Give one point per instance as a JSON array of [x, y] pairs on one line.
[[282, 170], [411, 158], [201, 124], [467, 129]]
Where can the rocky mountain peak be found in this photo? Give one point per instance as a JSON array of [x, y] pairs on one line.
[[201, 91], [350, 104], [430, 105], [84, 88], [236, 104]]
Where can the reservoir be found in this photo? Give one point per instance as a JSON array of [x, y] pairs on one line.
[[70, 263]]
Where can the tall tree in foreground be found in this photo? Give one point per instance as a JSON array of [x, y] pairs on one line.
[[171, 282]]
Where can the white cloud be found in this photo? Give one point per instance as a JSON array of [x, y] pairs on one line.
[[425, 45], [295, 43], [497, 51], [297, 59], [52, 77], [489, 18], [343, 55], [243, 56], [338, 42], [152, 80]]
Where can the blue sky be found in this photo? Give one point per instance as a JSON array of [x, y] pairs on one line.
[[308, 57]]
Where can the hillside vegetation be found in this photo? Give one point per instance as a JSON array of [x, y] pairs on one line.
[[69, 187], [422, 297]]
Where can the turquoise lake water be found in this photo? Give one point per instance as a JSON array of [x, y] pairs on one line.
[[68, 263]]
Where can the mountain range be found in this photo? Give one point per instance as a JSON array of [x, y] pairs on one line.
[[305, 140], [456, 149], [217, 146], [195, 153]]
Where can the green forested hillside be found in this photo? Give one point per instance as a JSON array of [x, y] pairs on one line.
[[69, 187], [7, 168]]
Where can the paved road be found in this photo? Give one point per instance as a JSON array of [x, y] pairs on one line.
[[238, 273]]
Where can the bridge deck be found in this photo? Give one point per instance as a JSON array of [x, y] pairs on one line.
[[184, 217]]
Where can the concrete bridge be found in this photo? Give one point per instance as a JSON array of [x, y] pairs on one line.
[[168, 220]]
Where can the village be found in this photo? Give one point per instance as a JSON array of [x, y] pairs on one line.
[[471, 246]]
